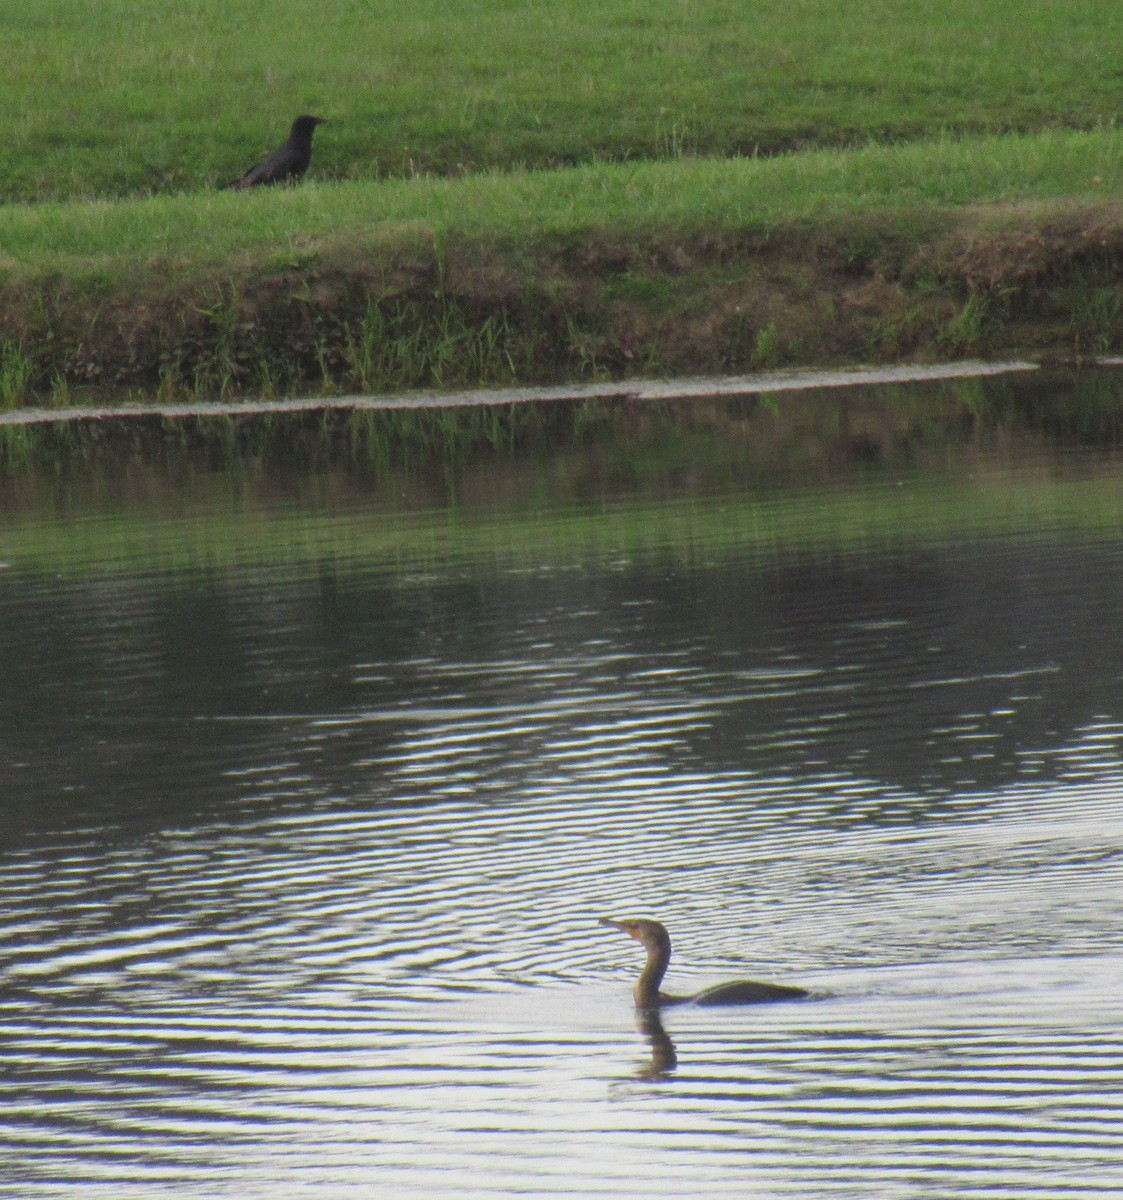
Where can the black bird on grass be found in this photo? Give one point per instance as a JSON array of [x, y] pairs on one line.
[[289, 161]]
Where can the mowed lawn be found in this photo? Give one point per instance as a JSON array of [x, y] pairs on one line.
[[114, 98], [534, 209]]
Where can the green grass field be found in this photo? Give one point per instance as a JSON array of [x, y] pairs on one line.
[[606, 179], [119, 97], [685, 195]]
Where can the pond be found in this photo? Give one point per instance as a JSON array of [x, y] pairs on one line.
[[317, 782]]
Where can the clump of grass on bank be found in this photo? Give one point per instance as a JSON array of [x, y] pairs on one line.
[[126, 96]]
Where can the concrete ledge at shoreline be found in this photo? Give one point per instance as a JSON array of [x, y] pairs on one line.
[[703, 387]]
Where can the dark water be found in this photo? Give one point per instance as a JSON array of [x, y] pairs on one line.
[[313, 792]]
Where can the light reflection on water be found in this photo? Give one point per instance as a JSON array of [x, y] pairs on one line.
[[304, 859]]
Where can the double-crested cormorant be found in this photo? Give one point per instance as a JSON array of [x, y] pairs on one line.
[[657, 942], [289, 161]]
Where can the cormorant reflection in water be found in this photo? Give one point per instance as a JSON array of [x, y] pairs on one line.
[[663, 1056], [650, 1000]]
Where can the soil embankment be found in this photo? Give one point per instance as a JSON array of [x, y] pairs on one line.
[[1038, 281]]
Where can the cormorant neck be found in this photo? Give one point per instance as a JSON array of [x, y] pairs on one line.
[[646, 991]]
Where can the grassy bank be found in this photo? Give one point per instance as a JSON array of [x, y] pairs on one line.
[[289, 227], [979, 245], [802, 184]]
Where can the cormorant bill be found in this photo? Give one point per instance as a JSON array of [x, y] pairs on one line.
[[289, 161], [657, 941]]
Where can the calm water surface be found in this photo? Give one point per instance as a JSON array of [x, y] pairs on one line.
[[313, 795]]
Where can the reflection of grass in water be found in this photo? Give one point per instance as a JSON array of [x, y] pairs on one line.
[[728, 477], [405, 440], [863, 518]]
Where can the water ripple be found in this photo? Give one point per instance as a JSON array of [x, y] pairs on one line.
[[358, 941]]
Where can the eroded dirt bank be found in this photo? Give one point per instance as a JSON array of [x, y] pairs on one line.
[[1040, 281]]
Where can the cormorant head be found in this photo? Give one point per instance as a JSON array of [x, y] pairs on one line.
[[651, 934]]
